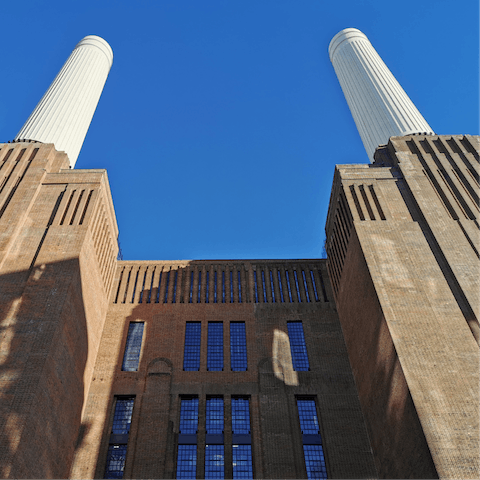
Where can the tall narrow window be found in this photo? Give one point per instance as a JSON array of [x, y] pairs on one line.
[[117, 451], [298, 346], [191, 356], [255, 284], [241, 439], [215, 286], [214, 447], [312, 440], [189, 415], [187, 448], [215, 347], [231, 286], [238, 347], [133, 346]]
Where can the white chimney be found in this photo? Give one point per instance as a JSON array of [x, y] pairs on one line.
[[64, 113], [380, 107]]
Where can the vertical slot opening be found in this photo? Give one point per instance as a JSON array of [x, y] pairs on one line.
[[207, 286], [272, 287], [175, 279], [264, 288], [312, 276], [306, 286], [239, 287], [280, 286], [140, 299], [325, 298], [287, 277]]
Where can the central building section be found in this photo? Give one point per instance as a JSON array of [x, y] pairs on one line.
[[223, 369]]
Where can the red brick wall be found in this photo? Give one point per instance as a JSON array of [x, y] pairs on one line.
[[160, 380]]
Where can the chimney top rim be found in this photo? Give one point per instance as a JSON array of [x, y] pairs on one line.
[[100, 43], [347, 34]]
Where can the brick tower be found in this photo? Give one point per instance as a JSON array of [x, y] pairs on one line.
[[403, 259]]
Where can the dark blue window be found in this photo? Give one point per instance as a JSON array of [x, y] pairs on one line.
[[214, 419], [187, 454], [115, 461], [214, 461], [231, 287], [298, 346], [133, 346], [240, 416], [187, 461], [122, 419], [307, 413], [255, 284], [215, 347], [242, 454], [238, 347], [189, 415], [315, 461], [242, 461], [191, 356], [214, 454], [314, 456]]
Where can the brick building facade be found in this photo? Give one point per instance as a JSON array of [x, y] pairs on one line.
[[389, 326]]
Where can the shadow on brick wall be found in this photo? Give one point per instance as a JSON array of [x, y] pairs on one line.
[[43, 354]]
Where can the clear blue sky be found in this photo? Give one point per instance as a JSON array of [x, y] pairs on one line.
[[221, 121]]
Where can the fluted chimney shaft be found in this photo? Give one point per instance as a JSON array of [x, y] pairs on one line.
[[380, 107], [64, 113]]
